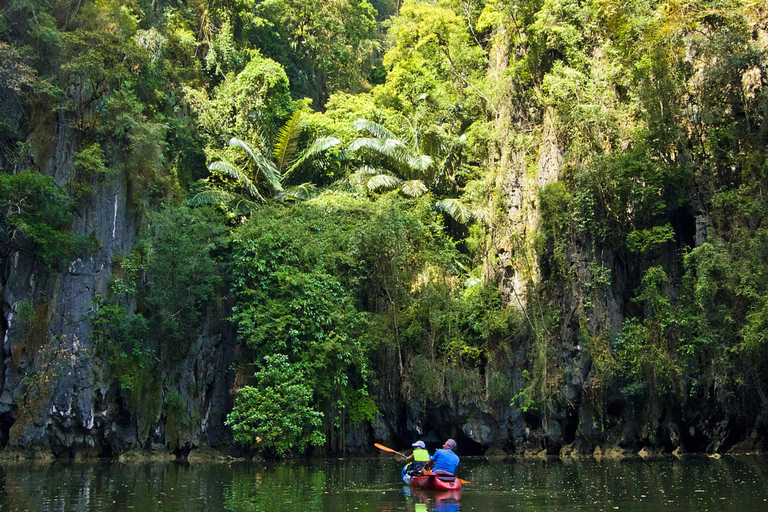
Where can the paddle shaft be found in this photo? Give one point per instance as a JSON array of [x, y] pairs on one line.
[[390, 450]]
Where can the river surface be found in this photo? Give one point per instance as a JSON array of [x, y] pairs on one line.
[[366, 485]]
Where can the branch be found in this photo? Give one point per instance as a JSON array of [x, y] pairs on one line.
[[468, 13], [478, 91]]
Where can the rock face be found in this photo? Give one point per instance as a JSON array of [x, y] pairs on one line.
[[56, 393]]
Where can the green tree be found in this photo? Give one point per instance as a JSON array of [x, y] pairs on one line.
[[35, 218], [276, 414], [274, 165], [326, 45]]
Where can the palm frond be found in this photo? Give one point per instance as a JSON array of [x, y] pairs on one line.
[[375, 129], [210, 196], [236, 203], [382, 181], [413, 188], [367, 171], [455, 209], [303, 192], [420, 163], [286, 141], [394, 149], [318, 146], [244, 207], [224, 167], [359, 178], [362, 142], [265, 167], [483, 215], [452, 159]]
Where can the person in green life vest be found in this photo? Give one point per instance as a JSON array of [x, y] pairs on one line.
[[416, 461]]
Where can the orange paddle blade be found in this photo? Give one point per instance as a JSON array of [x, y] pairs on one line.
[[390, 450]]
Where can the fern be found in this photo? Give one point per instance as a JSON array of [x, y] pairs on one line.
[[287, 140]]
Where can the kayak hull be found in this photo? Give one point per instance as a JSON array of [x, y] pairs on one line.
[[435, 483]]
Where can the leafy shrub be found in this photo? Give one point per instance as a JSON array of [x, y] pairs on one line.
[[464, 383], [276, 414], [34, 218]]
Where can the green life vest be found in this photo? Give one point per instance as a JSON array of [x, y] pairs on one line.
[[420, 455]]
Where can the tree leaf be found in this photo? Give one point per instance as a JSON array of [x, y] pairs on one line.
[[240, 177], [455, 209], [265, 167], [287, 140], [413, 188]]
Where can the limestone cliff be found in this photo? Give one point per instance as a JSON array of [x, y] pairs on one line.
[[58, 394]]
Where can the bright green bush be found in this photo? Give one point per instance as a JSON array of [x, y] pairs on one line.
[[277, 414]]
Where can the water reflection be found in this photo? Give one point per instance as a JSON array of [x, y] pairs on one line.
[[691, 484]]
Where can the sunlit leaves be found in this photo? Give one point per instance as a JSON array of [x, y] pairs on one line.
[[413, 188], [286, 141], [382, 182], [265, 167], [325, 45], [238, 175], [455, 208], [277, 414]]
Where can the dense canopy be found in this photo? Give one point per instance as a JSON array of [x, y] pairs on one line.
[[408, 214]]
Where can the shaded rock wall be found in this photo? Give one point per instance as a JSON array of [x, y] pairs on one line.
[[57, 393]]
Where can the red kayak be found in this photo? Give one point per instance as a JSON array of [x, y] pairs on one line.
[[436, 482]]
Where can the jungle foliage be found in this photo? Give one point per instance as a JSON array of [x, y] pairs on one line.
[[457, 196]]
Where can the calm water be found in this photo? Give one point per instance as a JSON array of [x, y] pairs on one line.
[[365, 485]]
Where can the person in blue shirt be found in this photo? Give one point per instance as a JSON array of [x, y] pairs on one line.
[[444, 461]]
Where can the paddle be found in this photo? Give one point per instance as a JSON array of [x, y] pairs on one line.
[[390, 450]]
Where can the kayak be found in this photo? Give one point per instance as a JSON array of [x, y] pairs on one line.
[[436, 482], [432, 482]]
